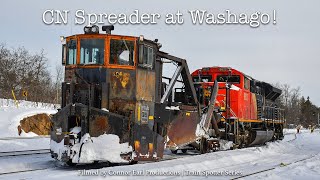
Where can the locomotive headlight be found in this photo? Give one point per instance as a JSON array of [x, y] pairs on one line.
[[62, 39], [95, 29], [87, 30], [141, 38], [91, 29]]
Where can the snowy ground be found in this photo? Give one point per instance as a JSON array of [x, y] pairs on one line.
[[295, 157], [10, 116]]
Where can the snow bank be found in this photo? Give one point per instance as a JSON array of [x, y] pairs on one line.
[[104, 148], [10, 115]]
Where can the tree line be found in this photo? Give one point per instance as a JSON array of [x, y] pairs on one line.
[[298, 109], [21, 71]]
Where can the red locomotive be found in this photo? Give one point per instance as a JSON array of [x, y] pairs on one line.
[[247, 110]]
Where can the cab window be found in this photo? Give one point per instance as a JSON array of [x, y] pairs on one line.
[[232, 79], [146, 56], [202, 79], [246, 83], [91, 51], [72, 52], [121, 52]]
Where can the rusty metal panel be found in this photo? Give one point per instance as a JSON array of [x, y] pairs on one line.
[[145, 85], [104, 95], [122, 107], [158, 71], [99, 125], [182, 130], [59, 121], [122, 84], [103, 122]]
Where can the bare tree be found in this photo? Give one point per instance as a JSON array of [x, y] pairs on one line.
[[58, 80], [22, 71]]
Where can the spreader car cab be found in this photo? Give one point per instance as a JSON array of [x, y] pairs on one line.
[[116, 105]]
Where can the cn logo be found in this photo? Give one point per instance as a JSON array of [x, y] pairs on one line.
[[55, 16]]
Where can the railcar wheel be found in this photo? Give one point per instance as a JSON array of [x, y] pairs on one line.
[[133, 162], [184, 150], [174, 151], [203, 146], [70, 163]]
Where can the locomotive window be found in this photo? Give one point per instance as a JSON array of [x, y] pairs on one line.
[[64, 54], [72, 52], [203, 79], [226, 78], [121, 52], [146, 56], [92, 51], [246, 83]]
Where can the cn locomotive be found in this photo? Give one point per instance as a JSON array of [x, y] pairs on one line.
[[117, 105], [248, 113]]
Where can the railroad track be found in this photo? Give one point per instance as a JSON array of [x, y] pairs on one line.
[[169, 157], [272, 168], [28, 170], [24, 152], [17, 138], [295, 136]]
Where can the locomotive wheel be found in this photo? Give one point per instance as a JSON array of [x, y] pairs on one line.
[[70, 163], [184, 150], [133, 162], [203, 146], [174, 151]]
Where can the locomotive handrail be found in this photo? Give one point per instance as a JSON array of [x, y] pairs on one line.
[[232, 112]]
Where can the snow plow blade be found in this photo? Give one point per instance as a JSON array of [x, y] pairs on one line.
[[209, 117], [95, 123], [261, 137], [90, 122]]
